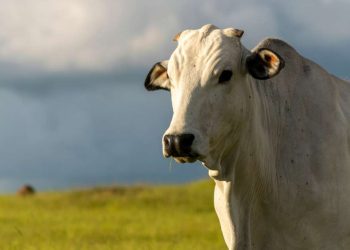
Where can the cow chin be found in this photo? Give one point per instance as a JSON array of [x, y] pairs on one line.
[[185, 159]]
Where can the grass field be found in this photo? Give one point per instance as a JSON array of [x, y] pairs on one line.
[[140, 217]]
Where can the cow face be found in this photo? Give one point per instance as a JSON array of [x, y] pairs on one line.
[[206, 76]]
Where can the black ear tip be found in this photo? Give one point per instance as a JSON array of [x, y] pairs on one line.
[[148, 81], [147, 84], [282, 63]]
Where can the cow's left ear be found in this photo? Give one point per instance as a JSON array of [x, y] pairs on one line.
[[264, 64], [157, 77]]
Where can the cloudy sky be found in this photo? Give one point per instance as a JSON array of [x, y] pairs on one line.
[[116, 35], [72, 108]]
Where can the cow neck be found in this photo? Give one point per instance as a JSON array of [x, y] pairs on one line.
[[247, 165], [249, 162]]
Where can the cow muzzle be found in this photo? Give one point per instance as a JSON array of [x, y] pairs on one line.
[[179, 147]]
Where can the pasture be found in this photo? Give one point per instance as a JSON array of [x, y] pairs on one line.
[[137, 217]]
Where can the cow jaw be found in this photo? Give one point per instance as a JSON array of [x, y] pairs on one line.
[[217, 168]]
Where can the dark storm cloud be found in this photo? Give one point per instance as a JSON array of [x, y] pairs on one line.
[[96, 133]]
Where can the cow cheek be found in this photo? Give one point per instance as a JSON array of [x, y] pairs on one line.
[[215, 124]]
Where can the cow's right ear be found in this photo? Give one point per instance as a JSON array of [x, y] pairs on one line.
[[157, 77], [264, 64]]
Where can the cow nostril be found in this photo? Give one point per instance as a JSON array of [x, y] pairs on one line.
[[168, 145], [183, 143], [178, 145], [166, 140], [186, 140]]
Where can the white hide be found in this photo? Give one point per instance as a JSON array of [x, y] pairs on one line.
[[278, 149]]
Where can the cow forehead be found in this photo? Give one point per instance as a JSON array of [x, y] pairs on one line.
[[200, 52]]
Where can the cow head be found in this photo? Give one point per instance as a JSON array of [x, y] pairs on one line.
[[207, 78]]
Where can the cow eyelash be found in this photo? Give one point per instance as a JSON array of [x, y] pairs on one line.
[[225, 76]]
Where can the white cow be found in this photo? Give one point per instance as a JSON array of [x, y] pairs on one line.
[[272, 127]]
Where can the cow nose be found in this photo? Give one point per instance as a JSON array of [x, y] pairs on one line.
[[178, 145]]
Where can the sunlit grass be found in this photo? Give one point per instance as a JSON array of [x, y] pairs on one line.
[[141, 217]]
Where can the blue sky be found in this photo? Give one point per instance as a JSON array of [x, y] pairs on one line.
[[72, 108]]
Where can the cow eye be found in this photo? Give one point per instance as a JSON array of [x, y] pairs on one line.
[[225, 76]]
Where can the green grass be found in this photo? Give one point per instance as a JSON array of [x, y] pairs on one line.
[[140, 217]]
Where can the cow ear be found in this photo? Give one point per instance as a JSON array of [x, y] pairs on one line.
[[264, 64], [157, 77]]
